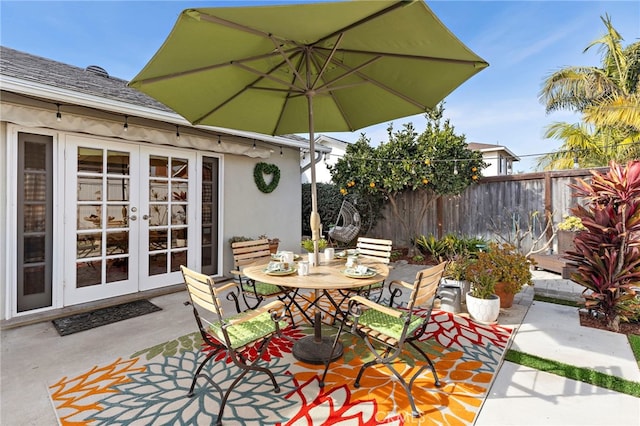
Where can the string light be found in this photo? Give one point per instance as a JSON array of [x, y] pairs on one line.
[[58, 114], [254, 144], [126, 123], [576, 165], [280, 150], [177, 132], [219, 141], [455, 167]]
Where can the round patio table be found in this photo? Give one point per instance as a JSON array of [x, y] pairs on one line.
[[328, 275]]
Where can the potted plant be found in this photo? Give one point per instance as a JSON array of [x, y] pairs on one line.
[[511, 269], [567, 230], [454, 274], [482, 303], [273, 243], [307, 244]]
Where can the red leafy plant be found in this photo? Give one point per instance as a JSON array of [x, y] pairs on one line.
[[607, 254]]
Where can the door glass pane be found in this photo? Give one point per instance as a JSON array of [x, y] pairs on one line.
[[179, 238], [178, 258], [35, 158], [158, 216], [157, 240], [89, 160], [117, 214], [179, 191], [117, 242], [89, 188], [35, 217], [117, 269], [34, 248], [34, 280], [88, 273], [118, 163], [35, 185], [117, 189], [179, 214], [179, 168], [89, 216], [158, 166], [88, 245], [157, 264]]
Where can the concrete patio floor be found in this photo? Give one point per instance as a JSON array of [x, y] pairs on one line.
[[33, 357]]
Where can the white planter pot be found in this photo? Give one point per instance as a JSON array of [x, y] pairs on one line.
[[483, 310]]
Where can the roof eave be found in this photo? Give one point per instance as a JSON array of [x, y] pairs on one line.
[[55, 94]]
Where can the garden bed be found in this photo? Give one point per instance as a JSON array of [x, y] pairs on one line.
[[627, 328]]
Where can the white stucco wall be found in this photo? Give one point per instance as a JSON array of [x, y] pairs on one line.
[[3, 217], [249, 212]]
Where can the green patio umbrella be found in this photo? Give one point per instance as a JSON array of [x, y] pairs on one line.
[[310, 67]]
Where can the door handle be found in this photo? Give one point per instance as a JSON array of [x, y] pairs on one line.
[[145, 217], [133, 217]]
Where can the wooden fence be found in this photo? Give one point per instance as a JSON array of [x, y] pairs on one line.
[[498, 205]]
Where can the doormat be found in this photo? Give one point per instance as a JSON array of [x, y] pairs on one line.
[[88, 320]]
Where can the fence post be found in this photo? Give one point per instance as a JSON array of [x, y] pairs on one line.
[[548, 201]]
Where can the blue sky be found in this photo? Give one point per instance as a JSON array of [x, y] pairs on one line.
[[523, 41]]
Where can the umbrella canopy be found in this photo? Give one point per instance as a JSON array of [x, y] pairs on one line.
[[307, 67]]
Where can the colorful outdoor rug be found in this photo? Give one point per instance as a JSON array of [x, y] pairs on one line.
[[150, 386]]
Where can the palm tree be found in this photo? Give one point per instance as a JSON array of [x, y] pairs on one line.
[[608, 99]]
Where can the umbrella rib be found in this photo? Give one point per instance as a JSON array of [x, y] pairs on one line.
[[251, 85], [382, 86], [335, 100], [328, 60], [267, 75], [405, 56], [207, 68]]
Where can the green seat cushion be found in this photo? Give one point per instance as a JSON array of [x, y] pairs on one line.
[[247, 332], [262, 289], [386, 324]]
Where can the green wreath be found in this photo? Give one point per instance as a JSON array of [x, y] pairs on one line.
[[262, 169]]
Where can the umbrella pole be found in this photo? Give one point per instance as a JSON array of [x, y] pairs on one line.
[[314, 220]]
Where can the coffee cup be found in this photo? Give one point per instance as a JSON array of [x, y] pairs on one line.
[[329, 253], [303, 268], [287, 256]]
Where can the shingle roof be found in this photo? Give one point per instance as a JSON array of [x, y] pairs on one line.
[[24, 66]]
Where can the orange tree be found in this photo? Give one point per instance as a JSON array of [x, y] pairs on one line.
[[436, 162]]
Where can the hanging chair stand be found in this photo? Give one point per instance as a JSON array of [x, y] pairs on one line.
[[347, 225]]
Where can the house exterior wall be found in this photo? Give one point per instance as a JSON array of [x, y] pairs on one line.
[[249, 212], [244, 210], [3, 217], [323, 175]]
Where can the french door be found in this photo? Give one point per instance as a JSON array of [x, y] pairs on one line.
[[128, 225]]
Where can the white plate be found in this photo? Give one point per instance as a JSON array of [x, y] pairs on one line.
[[352, 273], [287, 272], [344, 253]]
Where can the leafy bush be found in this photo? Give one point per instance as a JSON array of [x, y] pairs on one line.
[[607, 254], [509, 266], [449, 246]]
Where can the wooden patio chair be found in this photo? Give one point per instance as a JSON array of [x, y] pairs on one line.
[[386, 331], [255, 292], [378, 250], [230, 335]]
